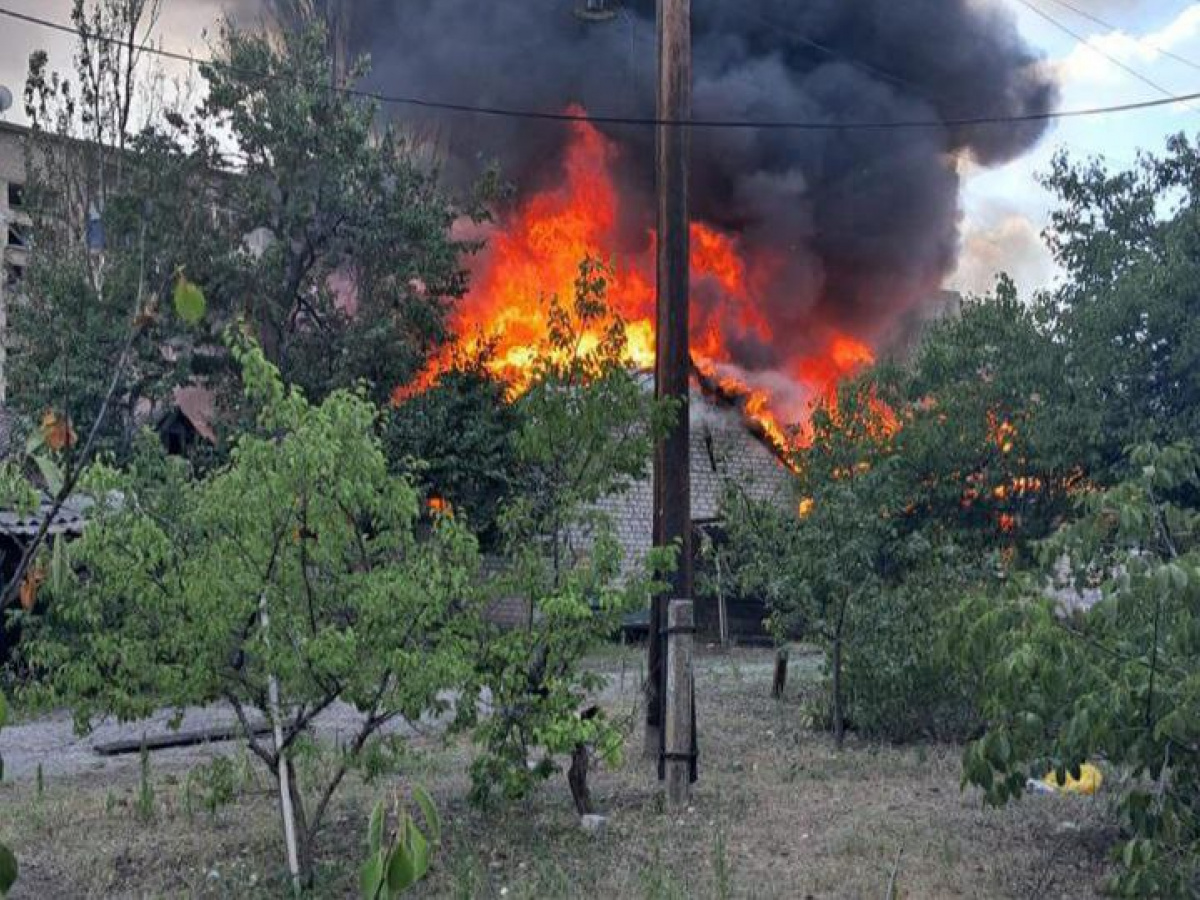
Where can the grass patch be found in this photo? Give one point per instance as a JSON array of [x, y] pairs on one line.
[[777, 813]]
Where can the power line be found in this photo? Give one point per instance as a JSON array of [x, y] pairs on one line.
[[652, 122], [1111, 27], [1084, 42]]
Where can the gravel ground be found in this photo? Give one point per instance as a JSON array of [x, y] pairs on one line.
[[51, 741]]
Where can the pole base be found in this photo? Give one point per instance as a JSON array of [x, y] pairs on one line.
[[653, 746]]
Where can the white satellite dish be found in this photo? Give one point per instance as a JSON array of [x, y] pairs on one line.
[[6, 99]]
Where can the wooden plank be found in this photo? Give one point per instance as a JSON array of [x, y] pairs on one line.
[[680, 741], [166, 740]]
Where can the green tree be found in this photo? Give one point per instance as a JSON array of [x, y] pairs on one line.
[[458, 441], [117, 212], [588, 423], [294, 577], [1128, 311], [1119, 681], [149, 239], [920, 480], [851, 572], [95, 343], [352, 267], [281, 197], [991, 432]]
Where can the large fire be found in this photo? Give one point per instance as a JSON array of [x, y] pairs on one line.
[[535, 251]]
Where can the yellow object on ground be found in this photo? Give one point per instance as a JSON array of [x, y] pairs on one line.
[[1088, 782]]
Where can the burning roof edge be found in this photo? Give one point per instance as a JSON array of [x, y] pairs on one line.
[[707, 389]]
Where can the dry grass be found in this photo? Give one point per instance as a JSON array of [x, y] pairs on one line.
[[778, 813]]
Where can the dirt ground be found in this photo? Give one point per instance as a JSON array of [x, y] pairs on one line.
[[778, 813]]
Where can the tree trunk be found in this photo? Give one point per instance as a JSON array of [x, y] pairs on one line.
[[839, 719], [283, 766], [305, 833], [779, 682], [577, 777]]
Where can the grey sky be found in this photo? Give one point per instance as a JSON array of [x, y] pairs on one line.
[[182, 28]]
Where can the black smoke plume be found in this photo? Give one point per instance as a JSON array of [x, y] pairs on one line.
[[862, 225]]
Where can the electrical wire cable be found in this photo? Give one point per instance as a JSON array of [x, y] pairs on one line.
[[653, 122], [1083, 41], [1096, 20]]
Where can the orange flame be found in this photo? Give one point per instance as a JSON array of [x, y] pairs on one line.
[[535, 252]]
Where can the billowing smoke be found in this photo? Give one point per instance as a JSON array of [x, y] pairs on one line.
[[855, 228]]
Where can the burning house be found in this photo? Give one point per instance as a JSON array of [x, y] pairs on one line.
[[813, 249], [728, 455]]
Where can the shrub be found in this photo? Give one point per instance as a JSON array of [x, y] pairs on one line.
[[296, 576], [588, 426], [1119, 682], [857, 573]]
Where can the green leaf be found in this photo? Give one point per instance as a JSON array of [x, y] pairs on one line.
[[375, 828], [401, 870], [8, 870], [1003, 751], [432, 821], [49, 471], [189, 302], [3, 710], [420, 853], [370, 878]]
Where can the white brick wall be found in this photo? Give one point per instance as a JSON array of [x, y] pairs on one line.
[[724, 454]]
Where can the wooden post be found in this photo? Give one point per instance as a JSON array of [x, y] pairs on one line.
[[779, 682], [722, 607], [672, 457], [681, 625]]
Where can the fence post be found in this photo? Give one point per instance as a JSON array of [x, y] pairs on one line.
[[681, 626]]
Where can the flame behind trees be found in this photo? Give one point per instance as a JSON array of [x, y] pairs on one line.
[[534, 252], [918, 481]]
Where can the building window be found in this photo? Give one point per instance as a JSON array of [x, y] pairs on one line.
[[16, 195], [17, 237]]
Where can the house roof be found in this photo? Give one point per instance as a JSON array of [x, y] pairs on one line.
[[198, 405]]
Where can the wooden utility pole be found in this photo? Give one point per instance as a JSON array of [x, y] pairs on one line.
[[672, 481]]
